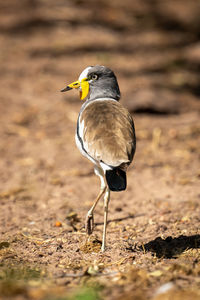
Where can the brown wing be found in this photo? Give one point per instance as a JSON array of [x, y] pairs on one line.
[[109, 134]]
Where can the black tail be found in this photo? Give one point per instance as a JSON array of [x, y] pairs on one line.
[[116, 179]]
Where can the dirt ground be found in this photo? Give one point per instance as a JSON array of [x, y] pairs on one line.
[[153, 242]]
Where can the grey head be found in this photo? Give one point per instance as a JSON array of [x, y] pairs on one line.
[[102, 82]]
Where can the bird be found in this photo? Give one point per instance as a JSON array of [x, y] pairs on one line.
[[105, 134]]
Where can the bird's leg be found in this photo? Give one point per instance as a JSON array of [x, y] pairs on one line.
[[89, 222], [106, 202]]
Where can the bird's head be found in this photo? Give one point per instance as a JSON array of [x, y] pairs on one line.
[[96, 82]]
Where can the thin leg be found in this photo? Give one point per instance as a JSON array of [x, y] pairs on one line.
[[89, 222], [106, 202]]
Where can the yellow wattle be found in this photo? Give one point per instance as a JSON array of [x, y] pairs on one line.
[[84, 89]]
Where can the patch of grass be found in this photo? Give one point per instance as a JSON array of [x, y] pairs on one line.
[[85, 293], [24, 273], [14, 279]]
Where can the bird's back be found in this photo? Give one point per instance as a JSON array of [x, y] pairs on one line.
[[109, 134]]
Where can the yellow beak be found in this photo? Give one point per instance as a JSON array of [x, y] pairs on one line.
[[83, 85]]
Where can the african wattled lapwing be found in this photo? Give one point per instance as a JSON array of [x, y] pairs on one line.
[[105, 134]]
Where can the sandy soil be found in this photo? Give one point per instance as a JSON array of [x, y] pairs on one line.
[[47, 187]]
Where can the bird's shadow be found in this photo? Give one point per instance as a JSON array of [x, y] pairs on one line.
[[171, 247], [163, 248]]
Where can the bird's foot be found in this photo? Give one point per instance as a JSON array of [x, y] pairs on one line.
[[89, 223]]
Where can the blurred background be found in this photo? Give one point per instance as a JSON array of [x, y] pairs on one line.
[[154, 49], [153, 46]]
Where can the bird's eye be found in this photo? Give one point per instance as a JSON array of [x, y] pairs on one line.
[[94, 77]]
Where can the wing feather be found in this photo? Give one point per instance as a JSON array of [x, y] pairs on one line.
[[109, 134]]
